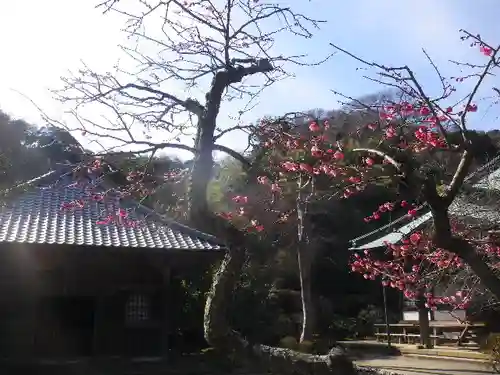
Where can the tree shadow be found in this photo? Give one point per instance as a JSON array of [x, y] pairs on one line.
[[369, 355], [369, 351], [433, 371]]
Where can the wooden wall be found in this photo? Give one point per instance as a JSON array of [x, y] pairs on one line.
[[29, 276]]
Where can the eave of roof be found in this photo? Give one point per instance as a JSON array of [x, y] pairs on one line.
[[395, 236]]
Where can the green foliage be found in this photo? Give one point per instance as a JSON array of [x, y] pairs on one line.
[[188, 293], [252, 298], [305, 347], [317, 346], [342, 326], [289, 342], [229, 179], [366, 320], [491, 346], [157, 190], [21, 158]]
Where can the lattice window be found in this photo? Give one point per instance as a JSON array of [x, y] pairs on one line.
[[137, 308]]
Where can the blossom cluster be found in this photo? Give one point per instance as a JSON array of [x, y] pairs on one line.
[[409, 266]]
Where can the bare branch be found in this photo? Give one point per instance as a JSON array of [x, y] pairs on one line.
[[181, 44], [459, 177], [473, 93], [153, 148], [190, 104], [245, 128], [401, 83], [467, 156]]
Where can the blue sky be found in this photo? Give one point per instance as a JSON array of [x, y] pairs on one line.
[[43, 40]]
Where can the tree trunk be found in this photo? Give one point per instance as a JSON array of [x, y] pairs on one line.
[[423, 321], [222, 337], [487, 276], [305, 259], [202, 168], [444, 238], [204, 143]]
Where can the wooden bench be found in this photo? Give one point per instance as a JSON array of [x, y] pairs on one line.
[[458, 333], [440, 331], [400, 336], [413, 338], [408, 338]]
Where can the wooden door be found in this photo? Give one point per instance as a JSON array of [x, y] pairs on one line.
[[65, 327]]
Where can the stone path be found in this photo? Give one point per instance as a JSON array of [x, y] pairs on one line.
[[417, 366]]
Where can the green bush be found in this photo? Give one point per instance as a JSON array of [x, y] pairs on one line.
[[342, 327], [306, 347], [322, 345], [289, 342], [490, 342], [366, 320], [492, 347], [316, 346]]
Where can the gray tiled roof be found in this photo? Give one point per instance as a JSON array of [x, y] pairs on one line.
[[485, 181], [36, 216]]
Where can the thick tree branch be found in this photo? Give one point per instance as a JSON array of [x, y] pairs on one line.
[[235, 75], [160, 146], [234, 154], [459, 177], [191, 105], [245, 128], [382, 154], [487, 276]]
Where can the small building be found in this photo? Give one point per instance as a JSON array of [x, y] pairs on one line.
[[85, 273], [478, 203]]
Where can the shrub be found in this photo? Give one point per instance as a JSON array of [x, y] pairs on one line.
[[366, 320], [492, 347], [289, 342], [306, 347]]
